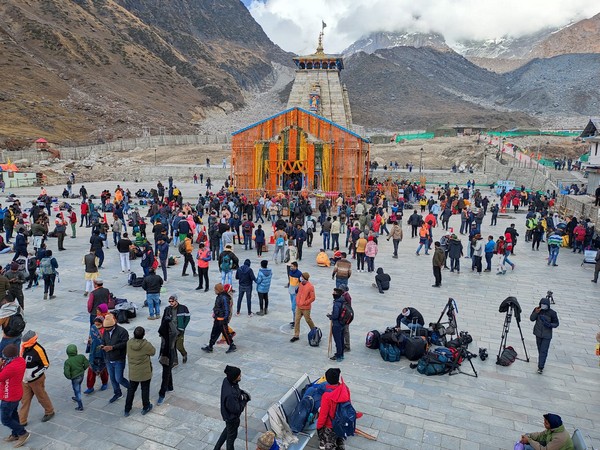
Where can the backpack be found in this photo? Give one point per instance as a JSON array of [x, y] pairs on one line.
[[306, 410], [131, 279], [280, 242], [393, 337], [247, 228], [507, 357], [372, 340], [137, 282], [16, 324], [314, 337], [346, 314], [181, 247], [437, 362], [344, 421], [389, 352], [226, 263], [46, 267]]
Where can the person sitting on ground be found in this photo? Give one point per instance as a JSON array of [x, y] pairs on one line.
[[554, 437], [323, 259], [382, 281], [411, 318]]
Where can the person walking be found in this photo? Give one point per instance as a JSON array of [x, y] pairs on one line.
[[233, 403], [545, 320], [124, 246], [97, 357], [477, 253], [188, 259], [221, 316], [74, 368], [114, 343], [246, 277], [139, 352], [370, 253], [203, 258], [90, 263], [438, 262], [396, 237], [167, 354], [162, 253], [180, 314], [34, 380], [304, 299], [72, 216], [152, 284], [337, 326], [99, 296], [342, 271], [12, 371], [259, 240], [596, 267], [228, 262], [489, 249], [48, 266], [16, 279], [263, 285]]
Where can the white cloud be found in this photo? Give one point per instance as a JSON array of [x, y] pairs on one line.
[[294, 25]]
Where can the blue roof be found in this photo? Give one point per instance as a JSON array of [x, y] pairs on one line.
[[304, 111]]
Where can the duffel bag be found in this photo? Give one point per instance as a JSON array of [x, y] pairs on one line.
[[507, 357], [433, 363], [414, 348], [372, 339], [389, 352]]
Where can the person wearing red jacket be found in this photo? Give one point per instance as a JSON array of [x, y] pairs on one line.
[[85, 209], [336, 392], [12, 371]]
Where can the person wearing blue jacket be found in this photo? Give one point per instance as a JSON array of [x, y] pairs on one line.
[[246, 277], [263, 284], [490, 248], [337, 327]]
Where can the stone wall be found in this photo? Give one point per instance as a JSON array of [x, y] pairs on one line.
[[332, 94]]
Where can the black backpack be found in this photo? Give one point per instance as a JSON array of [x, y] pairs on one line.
[[16, 324]]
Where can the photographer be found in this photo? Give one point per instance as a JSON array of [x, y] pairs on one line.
[[411, 318], [545, 320]]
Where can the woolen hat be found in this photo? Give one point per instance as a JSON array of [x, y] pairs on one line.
[[228, 288], [232, 373], [30, 334], [109, 321], [103, 308], [99, 281], [554, 420], [265, 442], [333, 375]]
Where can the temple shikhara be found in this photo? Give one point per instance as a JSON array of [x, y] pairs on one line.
[[310, 146]]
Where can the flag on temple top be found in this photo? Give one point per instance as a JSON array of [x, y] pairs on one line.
[[324, 24]]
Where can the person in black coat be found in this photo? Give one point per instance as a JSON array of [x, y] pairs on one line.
[[167, 355], [114, 342], [233, 403], [411, 318], [382, 280], [545, 320]]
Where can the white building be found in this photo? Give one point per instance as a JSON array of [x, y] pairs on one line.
[[591, 135]]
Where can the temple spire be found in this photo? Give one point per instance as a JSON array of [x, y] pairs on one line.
[[320, 45]]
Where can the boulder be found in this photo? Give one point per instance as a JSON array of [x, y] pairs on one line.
[[44, 162]]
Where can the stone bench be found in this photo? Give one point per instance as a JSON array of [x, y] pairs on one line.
[[288, 403]]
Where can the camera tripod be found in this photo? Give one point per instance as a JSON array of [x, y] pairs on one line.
[[465, 354], [511, 304], [451, 327]]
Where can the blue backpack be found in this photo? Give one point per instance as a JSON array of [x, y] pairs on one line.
[[389, 352], [344, 421], [314, 337], [305, 412]]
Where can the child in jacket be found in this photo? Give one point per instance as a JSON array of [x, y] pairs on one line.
[[74, 369]]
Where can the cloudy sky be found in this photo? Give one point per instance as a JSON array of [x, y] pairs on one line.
[[295, 24]]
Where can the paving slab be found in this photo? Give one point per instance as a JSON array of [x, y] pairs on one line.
[[404, 409]]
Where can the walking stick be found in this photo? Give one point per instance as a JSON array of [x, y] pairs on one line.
[[246, 424], [361, 433], [330, 336]]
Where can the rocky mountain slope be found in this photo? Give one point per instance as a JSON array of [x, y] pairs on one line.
[[408, 88], [97, 69]]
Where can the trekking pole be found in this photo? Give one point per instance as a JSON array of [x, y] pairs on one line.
[[246, 424], [361, 433], [330, 336]]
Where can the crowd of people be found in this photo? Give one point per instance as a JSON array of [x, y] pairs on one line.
[[214, 231]]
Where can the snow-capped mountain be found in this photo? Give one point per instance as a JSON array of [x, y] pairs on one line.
[[384, 39]]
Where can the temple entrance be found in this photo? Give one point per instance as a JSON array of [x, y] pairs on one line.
[[292, 181]]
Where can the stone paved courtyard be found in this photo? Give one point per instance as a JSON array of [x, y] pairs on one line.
[[403, 409]]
